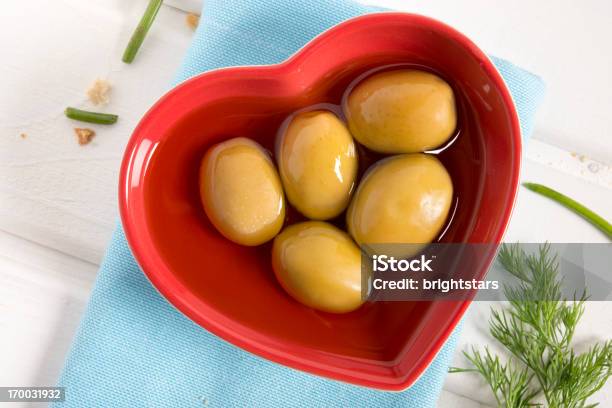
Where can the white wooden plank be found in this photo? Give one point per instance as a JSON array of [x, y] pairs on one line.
[[42, 296], [451, 400], [570, 163], [52, 190]]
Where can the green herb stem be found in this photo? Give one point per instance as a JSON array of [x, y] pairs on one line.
[[141, 31], [592, 217], [91, 117]]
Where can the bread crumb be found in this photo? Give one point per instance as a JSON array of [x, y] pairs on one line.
[[98, 92], [23, 135], [574, 154], [583, 158], [192, 20], [84, 135]]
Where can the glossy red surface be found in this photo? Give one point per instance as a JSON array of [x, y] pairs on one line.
[[231, 290]]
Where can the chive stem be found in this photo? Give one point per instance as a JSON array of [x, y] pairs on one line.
[[91, 117], [592, 217], [141, 31]]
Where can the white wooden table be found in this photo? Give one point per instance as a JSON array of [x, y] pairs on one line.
[[58, 199]]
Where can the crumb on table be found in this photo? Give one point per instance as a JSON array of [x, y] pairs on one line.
[[98, 92], [23, 135], [192, 20], [84, 135]]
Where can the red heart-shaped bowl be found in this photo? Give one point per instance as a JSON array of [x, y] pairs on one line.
[[231, 290]]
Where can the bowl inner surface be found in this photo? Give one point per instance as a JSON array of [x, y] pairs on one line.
[[387, 339]]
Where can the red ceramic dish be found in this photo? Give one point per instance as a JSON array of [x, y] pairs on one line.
[[231, 290]]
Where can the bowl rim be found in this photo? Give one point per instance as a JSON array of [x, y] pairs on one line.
[[221, 325]]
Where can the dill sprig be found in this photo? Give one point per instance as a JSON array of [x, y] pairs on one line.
[[537, 328], [510, 385]]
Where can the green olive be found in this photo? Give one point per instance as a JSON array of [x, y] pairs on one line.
[[402, 111], [403, 199], [241, 191], [319, 266], [317, 162]]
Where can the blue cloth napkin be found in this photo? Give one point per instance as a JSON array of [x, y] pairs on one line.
[[133, 349]]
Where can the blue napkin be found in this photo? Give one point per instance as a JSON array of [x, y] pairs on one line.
[[133, 349]]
